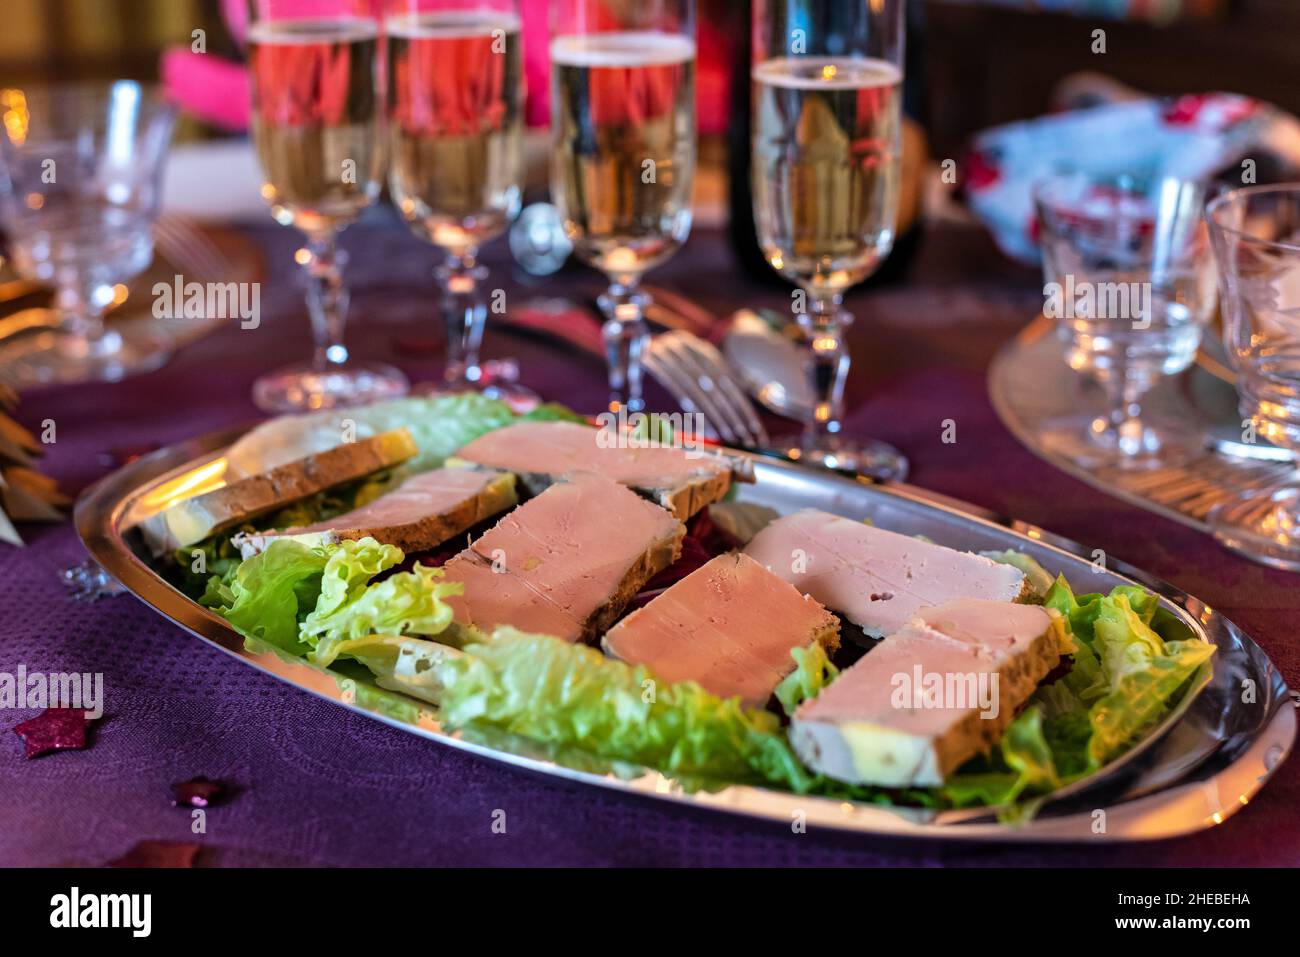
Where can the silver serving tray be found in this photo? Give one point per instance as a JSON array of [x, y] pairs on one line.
[[1030, 385], [1204, 761]]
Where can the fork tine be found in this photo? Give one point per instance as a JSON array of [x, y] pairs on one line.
[[669, 370], [654, 364], [710, 381], [711, 401], [720, 369]]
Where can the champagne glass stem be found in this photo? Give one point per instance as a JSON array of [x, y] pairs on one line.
[[465, 313], [1124, 423], [828, 369], [327, 299], [78, 315], [626, 335]]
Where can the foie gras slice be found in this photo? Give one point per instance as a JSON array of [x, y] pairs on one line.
[[930, 697], [192, 520], [729, 626], [877, 579], [421, 513], [681, 480], [566, 562]]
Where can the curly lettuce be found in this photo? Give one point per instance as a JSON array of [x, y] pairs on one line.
[[562, 694], [308, 599], [813, 671], [269, 595], [407, 603], [1131, 660]]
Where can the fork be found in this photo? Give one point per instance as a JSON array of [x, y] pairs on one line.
[[698, 376]]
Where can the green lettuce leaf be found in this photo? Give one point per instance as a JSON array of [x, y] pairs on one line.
[[1027, 766], [561, 694], [1143, 672], [400, 663], [348, 571], [813, 671], [270, 594], [305, 598], [1126, 673], [407, 603]]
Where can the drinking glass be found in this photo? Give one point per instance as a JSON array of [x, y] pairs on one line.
[[317, 125], [80, 186], [1130, 283], [1256, 238], [623, 135], [826, 165], [455, 110]]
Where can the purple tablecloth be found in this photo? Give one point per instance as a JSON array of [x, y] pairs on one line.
[[318, 786]]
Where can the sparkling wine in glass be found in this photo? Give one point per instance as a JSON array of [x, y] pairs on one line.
[[826, 165], [317, 125], [455, 107], [623, 134]]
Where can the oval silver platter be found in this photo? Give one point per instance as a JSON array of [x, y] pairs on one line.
[[1204, 761]]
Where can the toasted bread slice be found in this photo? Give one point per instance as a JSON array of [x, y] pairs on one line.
[[421, 513], [192, 520]]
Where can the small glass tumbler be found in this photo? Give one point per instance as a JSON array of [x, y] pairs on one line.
[[1129, 280], [1256, 239], [80, 188]]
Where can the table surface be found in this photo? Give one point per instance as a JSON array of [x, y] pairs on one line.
[[315, 785]]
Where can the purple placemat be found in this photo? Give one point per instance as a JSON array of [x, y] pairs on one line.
[[319, 786]]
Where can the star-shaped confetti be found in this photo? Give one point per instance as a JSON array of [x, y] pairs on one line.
[[197, 792], [158, 854], [54, 729]]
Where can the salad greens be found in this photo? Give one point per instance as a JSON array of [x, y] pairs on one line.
[[347, 605], [813, 671], [322, 603], [1131, 659], [439, 424], [558, 693], [309, 599]]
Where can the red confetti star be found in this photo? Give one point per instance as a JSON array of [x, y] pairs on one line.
[[54, 729], [197, 792]]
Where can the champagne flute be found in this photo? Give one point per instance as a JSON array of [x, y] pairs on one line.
[[455, 108], [317, 125], [825, 152], [623, 132]]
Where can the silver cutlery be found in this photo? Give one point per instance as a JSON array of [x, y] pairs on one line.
[[699, 378]]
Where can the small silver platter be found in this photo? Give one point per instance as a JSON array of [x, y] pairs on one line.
[[1031, 385], [1213, 751]]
